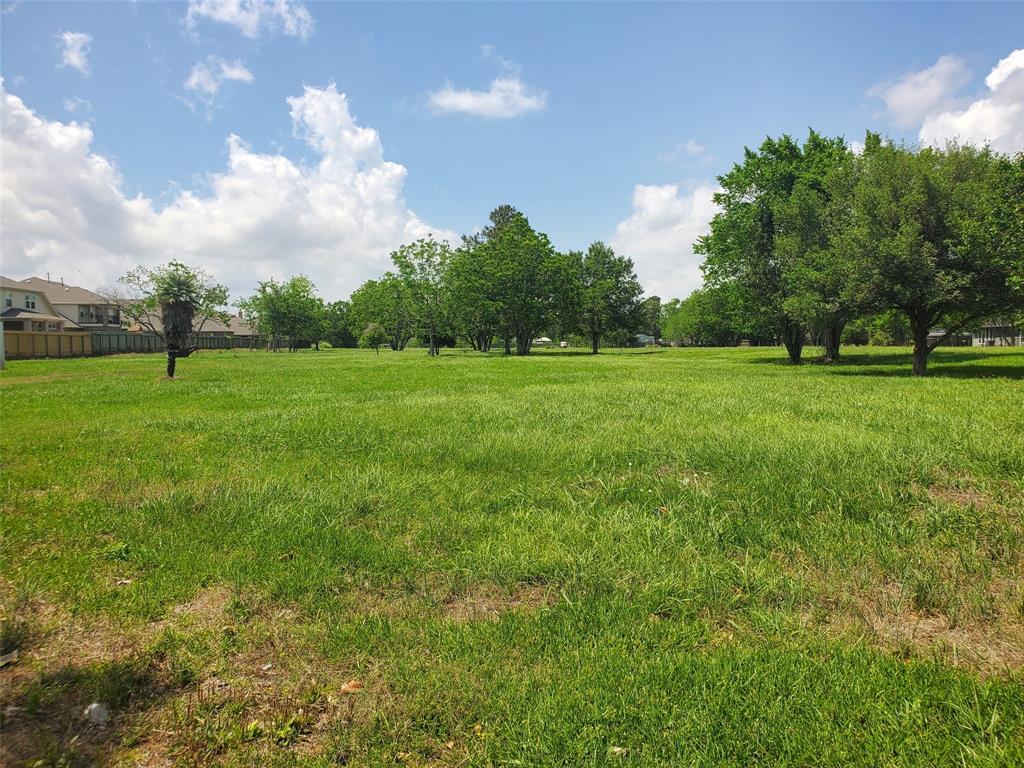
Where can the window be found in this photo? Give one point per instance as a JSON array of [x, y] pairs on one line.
[[85, 314], [113, 316], [51, 326], [8, 299], [30, 301]]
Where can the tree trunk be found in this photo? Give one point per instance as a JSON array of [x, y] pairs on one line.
[[833, 334], [919, 330], [508, 346], [172, 361], [793, 338], [594, 337], [523, 344]]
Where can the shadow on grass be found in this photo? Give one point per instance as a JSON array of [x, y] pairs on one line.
[[947, 363], [44, 718]]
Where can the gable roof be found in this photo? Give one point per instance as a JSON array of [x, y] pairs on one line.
[[236, 325], [18, 313], [59, 293]]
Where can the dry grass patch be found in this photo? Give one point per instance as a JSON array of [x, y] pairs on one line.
[[217, 676], [488, 601]]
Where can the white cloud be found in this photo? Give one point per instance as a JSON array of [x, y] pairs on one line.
[[76, 105], [912, 97], [74, 50], [254, 17], [206, 78], [995, 118], [688, 149], [507, 97], [660, 233], [64, 209]]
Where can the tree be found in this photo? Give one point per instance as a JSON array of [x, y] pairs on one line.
[[753, 239], [338, 324], [290, 310], [532, 282], [474, 282], [424, 266], [372, 337], [651, 317], [174, 302], [813, 222], [714, 316], [608, 293], [473, 292], [388, 303], [939, 235]]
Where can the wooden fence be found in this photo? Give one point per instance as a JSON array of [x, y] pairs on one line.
[[24, 344], [20, 344]]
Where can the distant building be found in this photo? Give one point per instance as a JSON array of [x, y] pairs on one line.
[[82, 307], [236, 326], [27, 308], [998, 333]]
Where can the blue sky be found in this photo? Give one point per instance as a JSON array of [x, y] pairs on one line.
[[599, 121]]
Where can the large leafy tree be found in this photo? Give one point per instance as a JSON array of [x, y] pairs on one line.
[[533, 283], [289, 310], [762, 231], [473, 290], [338, 328], [717, 316], [424, 266], [174, 302], [939, 235], [474, 284], [607, 294], [388, 303], [651, 313], [811, 241]]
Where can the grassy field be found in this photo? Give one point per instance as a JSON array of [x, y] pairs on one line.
[[659, 557]]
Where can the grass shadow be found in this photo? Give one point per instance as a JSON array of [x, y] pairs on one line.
[[943, 363], [44, 718]]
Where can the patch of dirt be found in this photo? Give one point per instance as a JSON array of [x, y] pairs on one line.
[[487, 602], [218, 675], [990, 648], [961, 497]]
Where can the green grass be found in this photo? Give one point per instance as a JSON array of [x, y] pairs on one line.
[[658, 557]]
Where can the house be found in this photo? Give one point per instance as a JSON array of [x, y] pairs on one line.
[[27, 308], [89, 310], [998, 333], [236, 327]]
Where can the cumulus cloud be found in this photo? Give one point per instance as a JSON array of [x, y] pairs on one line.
[[996, 117], [911, 98], [660, 233], [65, 211], [254, 17], [206, 78], [74, 50], [507, 97]]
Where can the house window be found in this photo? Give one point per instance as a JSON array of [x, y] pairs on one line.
[[85, 314], [51, 326], [113, 316], [30, 301], [8, 299]]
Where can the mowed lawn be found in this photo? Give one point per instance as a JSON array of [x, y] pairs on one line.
[[664, 557]]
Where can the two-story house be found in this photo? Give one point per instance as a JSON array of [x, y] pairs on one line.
[[27, 308], [88, 310]]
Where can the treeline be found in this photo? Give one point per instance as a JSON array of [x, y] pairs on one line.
[[506, 284], [815, 242]]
